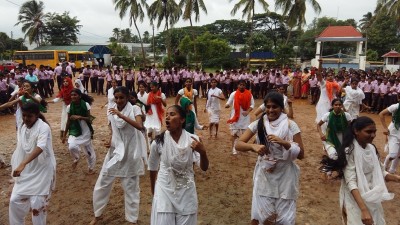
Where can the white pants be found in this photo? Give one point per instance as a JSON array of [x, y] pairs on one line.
[[394, 147], [74, 149], [280, 211], [21, 204], [102, 191], [163, 218]]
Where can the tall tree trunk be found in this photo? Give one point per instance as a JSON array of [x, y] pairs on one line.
[[141, 43], [251, 40], [288, 37], [194, 42]]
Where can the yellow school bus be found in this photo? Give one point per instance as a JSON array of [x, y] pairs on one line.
[[81, 58], [41, 57]]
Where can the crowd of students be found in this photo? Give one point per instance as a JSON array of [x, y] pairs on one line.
[[136, 121]]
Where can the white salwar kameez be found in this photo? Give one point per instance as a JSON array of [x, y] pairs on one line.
[[32, 189], [152, 122], [393, 142], [329, 147], [64, 114], [84, 140], [124, 160], [213, 107], [275, 193], [175, 197], [243, 121], [353, 101], [365, 173], [324, 103]]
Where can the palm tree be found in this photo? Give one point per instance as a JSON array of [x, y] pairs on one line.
[[248, 11], [32, 17], [366, 21], [295, 12], [116, 33], [135, 10], [190, 7], [389, 7], [166, 10]]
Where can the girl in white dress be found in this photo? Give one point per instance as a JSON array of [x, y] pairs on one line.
[[276, 175], [171, 172], [393, 134], [214, 95], [155, 102], [79, 129], [34, 168], [354, 98], [363, 185], [125, 158]]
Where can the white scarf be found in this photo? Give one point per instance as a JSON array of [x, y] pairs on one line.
[[116, 142], [366, 156], [177, 158]]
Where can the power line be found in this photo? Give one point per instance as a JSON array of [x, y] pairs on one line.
[[12, 2]]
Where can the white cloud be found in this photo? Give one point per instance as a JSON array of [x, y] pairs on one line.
[[98, 17]]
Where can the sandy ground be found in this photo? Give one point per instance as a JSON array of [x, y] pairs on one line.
[[224, 191]]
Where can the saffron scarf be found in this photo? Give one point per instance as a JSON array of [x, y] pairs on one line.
[[74, 126], [337, 124], [151, 99], [330, 85], [241, 99], [187, 93], [65, 92]]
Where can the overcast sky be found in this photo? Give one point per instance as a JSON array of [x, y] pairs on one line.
[[98, 17]]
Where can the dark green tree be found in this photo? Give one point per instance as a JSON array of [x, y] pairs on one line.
[[61, 29], [234, 31]]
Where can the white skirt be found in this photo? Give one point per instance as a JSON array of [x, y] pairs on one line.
[[64, 117], [214, 115]]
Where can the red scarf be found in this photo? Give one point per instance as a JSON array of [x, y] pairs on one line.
[[65, 92], [151, 99], [241, 99]]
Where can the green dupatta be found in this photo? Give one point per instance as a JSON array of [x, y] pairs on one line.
[[337, 124], [79, 109]]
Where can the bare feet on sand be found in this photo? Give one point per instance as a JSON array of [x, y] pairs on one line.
[[95, 221]]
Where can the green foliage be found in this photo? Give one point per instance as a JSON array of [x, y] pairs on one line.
[[234, 31], [118, 50], [222, 62], [382, 35], [372, 55], [180, 60], [126, 61], [61, 29], [32, 18], [8, 46], [272, 26], [283, 54]]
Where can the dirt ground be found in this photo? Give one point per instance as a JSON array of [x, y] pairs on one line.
[[224, 191]]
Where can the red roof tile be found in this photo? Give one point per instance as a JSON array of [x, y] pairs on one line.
[[340, 31], [392, 54]]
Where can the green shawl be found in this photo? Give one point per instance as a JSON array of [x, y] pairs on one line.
[[396, 118], [337, 124], [190, 116], [74, 126], [26, 100]]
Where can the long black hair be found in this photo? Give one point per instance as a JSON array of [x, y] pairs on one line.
[[182, 113], [34, 108], [134, 94], [84, 97], [276, 98], [348, 138]]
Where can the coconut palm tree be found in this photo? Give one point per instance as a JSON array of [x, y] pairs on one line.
[[32, 17], [166, 10], [389, 7], [192, 7], [116, 33], [135, 11], [295, 12], [366, 21], [249, 11]]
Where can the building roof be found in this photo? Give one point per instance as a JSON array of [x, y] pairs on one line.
[[98, 50], [392, 54], [340, 33]]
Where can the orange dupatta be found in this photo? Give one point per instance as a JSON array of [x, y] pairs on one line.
[[241, 99], [329, 89], [151, 99], [188, 94]]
